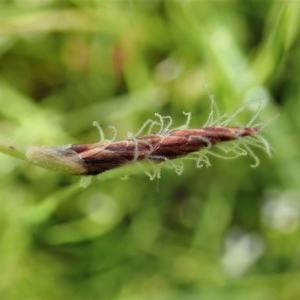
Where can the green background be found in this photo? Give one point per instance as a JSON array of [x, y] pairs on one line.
[[224, 232]]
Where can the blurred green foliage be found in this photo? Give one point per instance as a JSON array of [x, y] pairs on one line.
[[225, 232]]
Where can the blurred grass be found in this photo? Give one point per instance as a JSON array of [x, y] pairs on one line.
[[226, 232]]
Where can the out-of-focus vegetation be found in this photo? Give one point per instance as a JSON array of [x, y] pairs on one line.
[[225, 232]]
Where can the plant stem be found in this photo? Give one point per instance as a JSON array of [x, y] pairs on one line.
[[12, 147]]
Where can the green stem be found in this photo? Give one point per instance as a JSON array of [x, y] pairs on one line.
[[13, 148], [54, 158]]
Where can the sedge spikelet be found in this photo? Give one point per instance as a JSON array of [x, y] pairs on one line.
[[163, 146], [104, 156]]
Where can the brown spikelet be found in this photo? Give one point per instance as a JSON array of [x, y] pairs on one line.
[[105, 155]]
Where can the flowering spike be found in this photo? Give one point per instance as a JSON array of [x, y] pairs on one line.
[[100, 157], [164, 146]]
